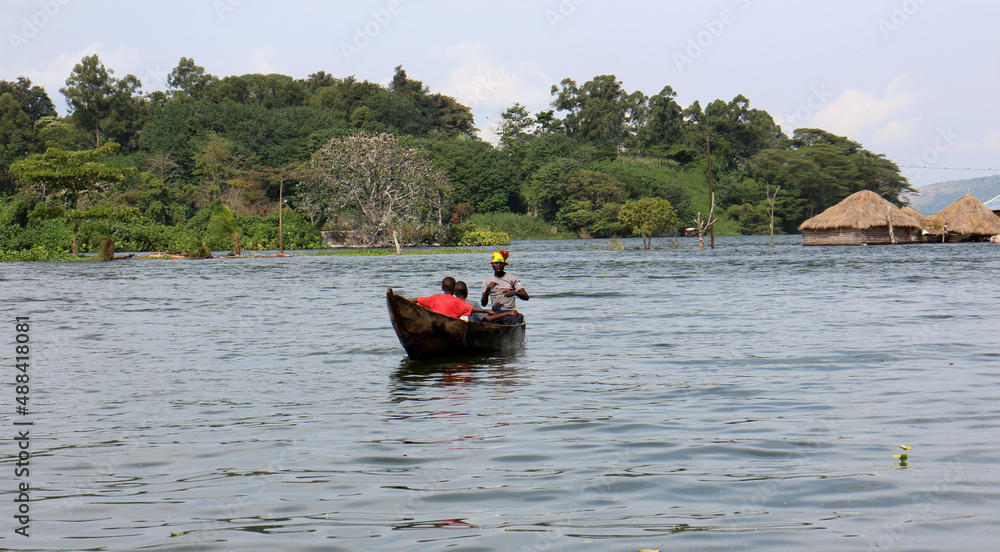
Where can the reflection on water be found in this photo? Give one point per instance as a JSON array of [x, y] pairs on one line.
[[413, 378], [746, 397]]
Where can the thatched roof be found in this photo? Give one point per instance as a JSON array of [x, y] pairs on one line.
[[927, 221], [862, 210], [968, 215]]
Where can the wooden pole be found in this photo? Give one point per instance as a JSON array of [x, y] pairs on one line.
[[711, 195], [281, 209], [888, 216]]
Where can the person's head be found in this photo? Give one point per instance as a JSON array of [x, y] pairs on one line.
[[461, 290], [448, 285], [499, 260]]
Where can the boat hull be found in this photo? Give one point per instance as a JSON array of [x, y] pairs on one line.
[[424, 333]]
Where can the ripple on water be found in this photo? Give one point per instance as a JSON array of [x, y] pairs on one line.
[[745, 397]]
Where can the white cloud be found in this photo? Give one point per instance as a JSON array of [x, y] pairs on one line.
[[989, 143], [260, 61], [888, 117], [488, 86], [895, 132]]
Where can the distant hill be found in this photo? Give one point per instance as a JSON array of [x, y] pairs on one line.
[[934, 197]]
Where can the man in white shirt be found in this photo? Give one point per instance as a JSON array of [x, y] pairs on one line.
[[502, 288]]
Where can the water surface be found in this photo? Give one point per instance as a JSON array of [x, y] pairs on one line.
[[746, 397]]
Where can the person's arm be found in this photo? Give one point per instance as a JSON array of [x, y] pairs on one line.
[[520, 293], [485, 299], [499, 315]]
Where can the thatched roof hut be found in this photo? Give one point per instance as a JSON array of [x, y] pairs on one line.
[[930, 224], [967, 219], [861, 218], [907, 210]]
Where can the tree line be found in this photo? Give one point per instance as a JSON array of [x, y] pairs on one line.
[[250, 141]]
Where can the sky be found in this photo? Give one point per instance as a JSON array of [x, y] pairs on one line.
[[915, 80]]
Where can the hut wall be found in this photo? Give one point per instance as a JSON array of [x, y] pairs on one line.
[[855, 236]]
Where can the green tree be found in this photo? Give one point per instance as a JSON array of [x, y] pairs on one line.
[[653, 177], [71, 173], [442, 114], [268, 91], [646, 217], [591, 203], [103, 216], [294, 172], [393, 189], [405, 86], [222, 228], [189, 79], [340, 97], [34, 101], [752, 219], [271, 137], [104, 105], [449, 118], [842, 167], [854, 167], [665, 127], [542, 191], [217, 163], [165, 202], [88, 92], [480, 175], [397, 114], [808, 187], [129, 113], [61, 133], [600, 113], [318, 80], [516, 129], [737, 131], [17, 134]]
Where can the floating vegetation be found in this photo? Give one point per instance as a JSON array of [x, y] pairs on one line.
[[903, 456], [377, 252]]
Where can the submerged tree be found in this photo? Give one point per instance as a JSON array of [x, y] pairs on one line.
[[104, 215], [390, 187], [646, 217]]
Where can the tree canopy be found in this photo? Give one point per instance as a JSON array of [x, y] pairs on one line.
[[391, 189], [646, 217], [573, 165], [70, 172]]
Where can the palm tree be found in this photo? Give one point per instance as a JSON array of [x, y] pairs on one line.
[[222, 226]]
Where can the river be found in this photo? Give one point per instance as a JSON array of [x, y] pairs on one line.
[[743, 398]]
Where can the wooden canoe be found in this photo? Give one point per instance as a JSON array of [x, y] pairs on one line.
[[428, 334]]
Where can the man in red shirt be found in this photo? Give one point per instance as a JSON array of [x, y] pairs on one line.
[[447, 303]]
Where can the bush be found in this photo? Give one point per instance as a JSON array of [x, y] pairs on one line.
[[480, 236], [198, 250], [517, 226], [262, 233], [53, 235], [141, 235], [37, 253]]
